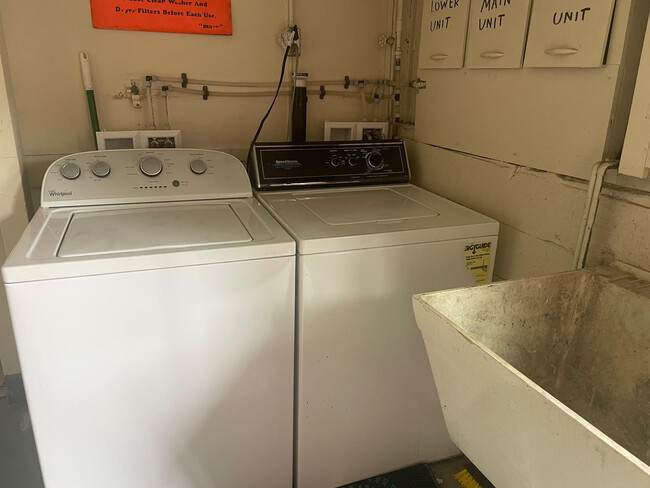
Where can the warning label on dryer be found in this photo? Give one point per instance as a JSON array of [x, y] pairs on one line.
[[478, 257]]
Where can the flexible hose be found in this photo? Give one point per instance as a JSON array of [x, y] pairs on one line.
[[268, 112]]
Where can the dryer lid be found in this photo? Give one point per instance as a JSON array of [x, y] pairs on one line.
[[98, 232], [364, 206], [352, 218]]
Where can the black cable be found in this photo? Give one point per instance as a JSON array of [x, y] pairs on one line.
[[259, 129]]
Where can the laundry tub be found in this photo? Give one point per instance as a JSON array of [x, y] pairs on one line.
[[545, 382]]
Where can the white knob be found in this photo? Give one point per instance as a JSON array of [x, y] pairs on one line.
[[101, 169], [70, 171], [198, 167], [151, 166]]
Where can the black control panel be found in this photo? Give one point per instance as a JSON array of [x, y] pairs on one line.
[[281, 165]]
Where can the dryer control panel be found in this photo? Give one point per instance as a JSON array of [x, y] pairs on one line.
[[142, 176], [285, 165]]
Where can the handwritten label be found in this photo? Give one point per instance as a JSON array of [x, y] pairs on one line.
[[572, 16], [442, 6], [181, 16], [497, 33], [494, 20]]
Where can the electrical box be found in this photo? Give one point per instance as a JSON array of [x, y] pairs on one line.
[[356, 131], [134, 139], [444, 32], [568, 33], [497, 33], [635, 160]]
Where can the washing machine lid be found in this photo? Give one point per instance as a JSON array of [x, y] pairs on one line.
[[83, 241], [343, 219], [101, 232]]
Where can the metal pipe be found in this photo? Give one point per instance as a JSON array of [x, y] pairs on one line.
[[589, 217], [193, 91], [263, 84], [290, 14], [149, 84]]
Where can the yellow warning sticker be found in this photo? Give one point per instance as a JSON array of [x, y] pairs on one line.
[[478, 257]]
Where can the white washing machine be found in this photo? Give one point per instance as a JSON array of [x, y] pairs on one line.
[[367, 241], [152, 300]]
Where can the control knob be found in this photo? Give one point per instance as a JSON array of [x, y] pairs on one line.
[[151, 166], [198, 166], [374, 160], [70, 171], [335, 161], [101, 169]]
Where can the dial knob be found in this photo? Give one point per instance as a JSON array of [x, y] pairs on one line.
[[151, 166], [374, 160], [352, 161], [335, 161], [70, 171], [101, 169], [198, 166]]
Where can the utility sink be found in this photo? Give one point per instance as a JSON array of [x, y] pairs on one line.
[[545, 382]]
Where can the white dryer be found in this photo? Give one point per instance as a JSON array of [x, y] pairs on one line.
[[152, 300], [367, 241]]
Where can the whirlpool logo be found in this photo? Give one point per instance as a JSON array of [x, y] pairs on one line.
[[59, 194], [478, 247]]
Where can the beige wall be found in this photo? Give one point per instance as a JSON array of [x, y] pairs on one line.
[[539, 212], [518, 145], [13, 213], [340, 37]]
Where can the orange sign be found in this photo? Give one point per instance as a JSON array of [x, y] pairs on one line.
[[186, 16]]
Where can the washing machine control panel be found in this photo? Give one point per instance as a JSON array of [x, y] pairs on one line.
[[139, 175], [284, 165]]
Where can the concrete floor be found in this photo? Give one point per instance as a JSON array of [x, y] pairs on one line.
[[19, 467]]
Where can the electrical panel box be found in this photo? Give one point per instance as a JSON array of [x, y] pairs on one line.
[[635, 160], [568, 33], [134, 139], [444, 32], [497, 33], [356, 131]]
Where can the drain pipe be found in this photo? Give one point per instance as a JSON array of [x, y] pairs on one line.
[[299, 109], [589, 217]]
